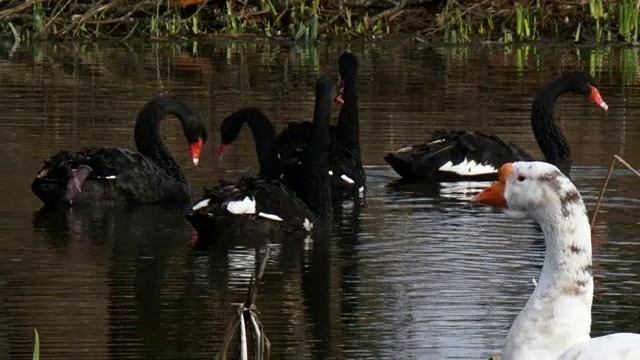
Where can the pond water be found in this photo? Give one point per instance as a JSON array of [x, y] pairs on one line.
[[413, 273]]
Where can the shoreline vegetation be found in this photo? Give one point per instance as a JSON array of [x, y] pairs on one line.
[[438, 21]]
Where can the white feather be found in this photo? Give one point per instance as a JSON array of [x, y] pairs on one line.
[[468, 167], [270, 216], [308, 225], [347, 179], [436, 141], [404, 149], [110, 177], [201, 204], [244, 206], [618, 346]]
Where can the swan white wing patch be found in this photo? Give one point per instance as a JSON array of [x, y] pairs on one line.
[[201, 204], [244, 206], [308, 225], [468, 167], [404, 149], [270, 216], [438, 141], [347, 179]]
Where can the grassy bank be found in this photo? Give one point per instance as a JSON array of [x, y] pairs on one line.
[[450, 21]]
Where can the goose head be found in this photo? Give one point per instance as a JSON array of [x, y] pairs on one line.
[[532, 189]]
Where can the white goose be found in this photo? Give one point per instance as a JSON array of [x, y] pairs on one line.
[[556, 321]]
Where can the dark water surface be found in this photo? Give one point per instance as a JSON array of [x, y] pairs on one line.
[[414, 273]]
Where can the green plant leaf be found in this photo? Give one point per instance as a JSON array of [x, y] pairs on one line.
[[36, 346]]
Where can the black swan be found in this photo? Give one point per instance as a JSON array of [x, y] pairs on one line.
[[345, 163], [285, 151], [264, 205], [466, 155], [149, 175], [347, 133]]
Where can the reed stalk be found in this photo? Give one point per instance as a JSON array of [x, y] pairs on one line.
[[616, 159], [36, 346], [247, 316]]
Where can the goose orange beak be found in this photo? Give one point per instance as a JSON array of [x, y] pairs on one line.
[[494, 195], [223, 150], [196, 149], [597, 98]]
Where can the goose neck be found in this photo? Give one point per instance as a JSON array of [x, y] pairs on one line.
[[567, 266]]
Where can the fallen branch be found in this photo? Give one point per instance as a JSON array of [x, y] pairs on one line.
[[390, 12], [20, 8], [56, 11], [616, 158], [461, 15], [254, 14]]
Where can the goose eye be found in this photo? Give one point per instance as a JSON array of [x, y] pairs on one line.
[[521, 178]]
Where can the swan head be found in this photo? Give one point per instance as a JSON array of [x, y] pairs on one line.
[[348, 65], [584, 84], [232, 125], [327, 86], [532, 189], [196, 134], [196, 149]]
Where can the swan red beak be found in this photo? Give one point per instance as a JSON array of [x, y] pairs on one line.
[[223, 150], [597, 98], [196, 148], [494, 194]]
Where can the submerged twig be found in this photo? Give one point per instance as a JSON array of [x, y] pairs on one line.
[[606, 183], [248, 312]]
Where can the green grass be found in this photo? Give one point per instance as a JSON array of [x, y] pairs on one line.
[[600, 21], [36, 346], [456, 22]]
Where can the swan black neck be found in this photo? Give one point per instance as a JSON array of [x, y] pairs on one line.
[[348, 133], [147, 134], [263, 131], [316, 189], [549, 136]]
